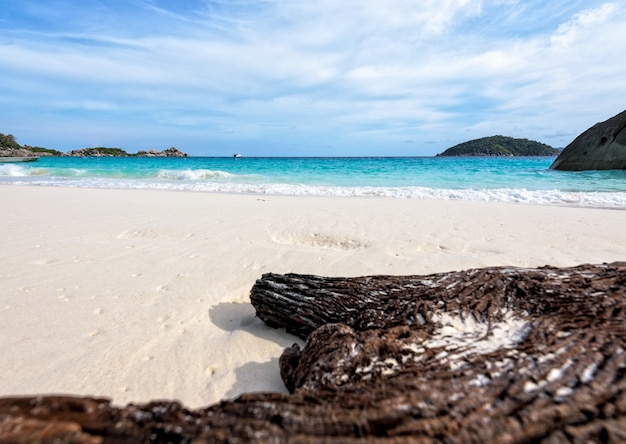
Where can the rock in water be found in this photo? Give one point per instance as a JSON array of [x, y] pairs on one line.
[[477, 356], [601, 147]]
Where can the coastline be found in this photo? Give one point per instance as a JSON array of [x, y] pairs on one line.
[[497, 179], [143, 294]]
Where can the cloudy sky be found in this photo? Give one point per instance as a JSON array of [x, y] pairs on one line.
[[301, 77]]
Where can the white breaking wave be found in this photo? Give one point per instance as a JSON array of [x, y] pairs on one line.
[[193, 174], [615, 200], [8, 170], [12, 170]]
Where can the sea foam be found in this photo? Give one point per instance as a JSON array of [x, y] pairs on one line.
[[615, 200], [12, 170], [189, 174], [515, 180]]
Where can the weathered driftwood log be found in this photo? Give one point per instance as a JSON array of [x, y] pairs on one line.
[[496, 354], [303, 303], [489, 355]]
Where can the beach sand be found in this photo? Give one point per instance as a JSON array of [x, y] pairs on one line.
[[141, 295]]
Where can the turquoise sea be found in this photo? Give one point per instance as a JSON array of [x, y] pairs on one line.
[[509, 179]]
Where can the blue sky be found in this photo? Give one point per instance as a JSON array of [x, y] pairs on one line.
[[299, 77]]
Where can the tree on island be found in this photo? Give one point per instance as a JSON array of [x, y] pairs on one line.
[[8, 141], [10, 147], [500, 146]]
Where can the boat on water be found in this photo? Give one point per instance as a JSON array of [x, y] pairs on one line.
[[236, 155], [12, 159]]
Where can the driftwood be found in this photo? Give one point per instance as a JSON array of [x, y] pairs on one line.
[[485, 355]]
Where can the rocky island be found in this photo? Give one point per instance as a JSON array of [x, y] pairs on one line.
[[118, 152], [500, 146], [10, 148]]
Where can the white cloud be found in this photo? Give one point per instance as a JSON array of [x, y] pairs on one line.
[[582, 24], [398, 70]]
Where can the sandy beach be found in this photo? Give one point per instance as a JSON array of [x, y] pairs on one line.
[[140, 295]]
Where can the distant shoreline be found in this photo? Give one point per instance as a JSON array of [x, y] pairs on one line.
[[89, 152]]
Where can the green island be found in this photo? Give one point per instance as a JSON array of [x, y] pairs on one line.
[[500, 146], [10, 148]]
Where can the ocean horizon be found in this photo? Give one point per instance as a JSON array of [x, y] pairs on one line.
[[502, 179]]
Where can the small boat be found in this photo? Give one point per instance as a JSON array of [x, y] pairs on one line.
[[18, 159], [236, 155]]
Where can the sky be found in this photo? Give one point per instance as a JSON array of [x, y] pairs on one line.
[[307, 78]]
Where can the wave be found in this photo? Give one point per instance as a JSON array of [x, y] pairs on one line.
[[12, 170], [189, 174], [177, 181]]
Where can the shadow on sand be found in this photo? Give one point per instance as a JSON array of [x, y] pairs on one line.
[[240, 316]]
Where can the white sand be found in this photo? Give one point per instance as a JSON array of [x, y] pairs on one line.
[[141, 295]]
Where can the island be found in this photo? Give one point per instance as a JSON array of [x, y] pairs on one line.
[[9, 148], [500, 146], [118, 152]]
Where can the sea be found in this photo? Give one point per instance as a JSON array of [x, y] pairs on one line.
[[526, 180]]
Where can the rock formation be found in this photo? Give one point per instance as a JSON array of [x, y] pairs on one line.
[[118, 152], [601, 147], [97, 152], [477, 356], [170, 152], [19, 152]]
